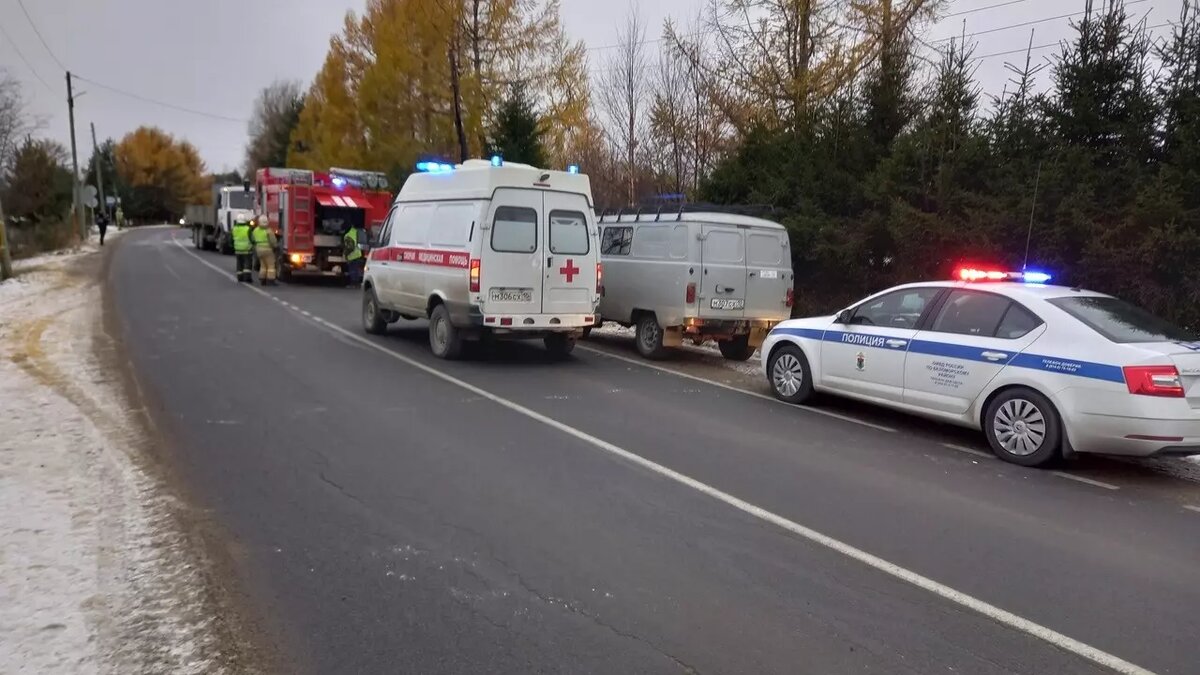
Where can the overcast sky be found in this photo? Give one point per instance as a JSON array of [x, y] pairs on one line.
[[214, 56]]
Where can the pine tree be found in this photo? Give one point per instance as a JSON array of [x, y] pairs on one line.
[[517, 134]]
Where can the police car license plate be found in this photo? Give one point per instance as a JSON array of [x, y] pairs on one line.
[[727, 303], [511, 295]]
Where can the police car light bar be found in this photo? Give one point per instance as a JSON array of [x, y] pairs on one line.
[[1028, 276]]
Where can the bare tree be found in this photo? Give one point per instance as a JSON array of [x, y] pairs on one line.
[[671, 118], [15, 123], [622, 94], [276, 112]]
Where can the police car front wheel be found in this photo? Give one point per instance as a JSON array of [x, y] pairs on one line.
[[1023, 427], [790, 375]]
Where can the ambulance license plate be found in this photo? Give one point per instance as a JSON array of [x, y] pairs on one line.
[[511, 295], [728, 303]]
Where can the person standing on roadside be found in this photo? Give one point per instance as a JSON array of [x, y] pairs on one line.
[[102, 224], [352, 243], [242, 249], [265, 242]]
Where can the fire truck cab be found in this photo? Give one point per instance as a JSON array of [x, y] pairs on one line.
[[311, 211]]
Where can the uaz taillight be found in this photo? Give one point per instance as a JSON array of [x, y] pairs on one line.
[[1154, 381], [691, 293], [475, 264], [791, 297]]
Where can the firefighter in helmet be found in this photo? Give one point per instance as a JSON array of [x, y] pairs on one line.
[[264, 247], [242, 249]]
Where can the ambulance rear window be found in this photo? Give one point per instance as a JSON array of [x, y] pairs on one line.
[[568, 233], [514, 230]]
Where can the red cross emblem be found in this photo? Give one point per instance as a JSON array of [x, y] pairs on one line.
[[569, 271]]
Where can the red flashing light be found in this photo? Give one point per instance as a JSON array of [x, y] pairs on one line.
[[1154, 381], [475, 270], [690, 296], [972, 274]]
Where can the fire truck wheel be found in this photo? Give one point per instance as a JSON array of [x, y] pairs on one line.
[[372, 315], [444, 338]]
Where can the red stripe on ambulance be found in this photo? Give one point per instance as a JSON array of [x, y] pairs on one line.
[[421, 256]]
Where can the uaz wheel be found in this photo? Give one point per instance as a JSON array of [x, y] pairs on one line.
[[1023, 427], [789, 375], [736, 349], [649, 337]]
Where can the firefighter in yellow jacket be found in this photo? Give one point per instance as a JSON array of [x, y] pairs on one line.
[[242, 248], [264, 247]]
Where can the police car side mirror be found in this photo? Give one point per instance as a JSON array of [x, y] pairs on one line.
[[843, 316]]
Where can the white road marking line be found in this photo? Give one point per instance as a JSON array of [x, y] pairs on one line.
[[986, 609], [819, 411], [1089, 481], [969, 451], [1189, 507]]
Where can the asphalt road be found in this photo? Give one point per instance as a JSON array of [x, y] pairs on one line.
[[389, 512]]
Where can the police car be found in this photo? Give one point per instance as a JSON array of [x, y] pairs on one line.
[[1043, 370]]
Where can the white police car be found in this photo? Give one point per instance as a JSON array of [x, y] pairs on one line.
[[1044, 370]]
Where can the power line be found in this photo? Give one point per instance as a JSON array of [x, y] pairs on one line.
[[1047, 45], [1026, 23], [39, 35], [25, 60], [164, 104], [983, 9]]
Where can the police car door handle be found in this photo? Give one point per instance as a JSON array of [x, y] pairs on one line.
[[994, 356], [896, 343]]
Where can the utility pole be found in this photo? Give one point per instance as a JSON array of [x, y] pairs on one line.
[[78, 196], [5, 258], [99, 172]]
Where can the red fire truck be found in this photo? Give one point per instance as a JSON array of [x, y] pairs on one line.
[[310, 212]]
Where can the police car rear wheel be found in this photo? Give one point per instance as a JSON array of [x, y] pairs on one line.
[[1023, 428], [649, 337], [790, 375], [372, 316], [444, 338]]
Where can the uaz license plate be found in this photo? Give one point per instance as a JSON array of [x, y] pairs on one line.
[[727, 303], [511, 295]]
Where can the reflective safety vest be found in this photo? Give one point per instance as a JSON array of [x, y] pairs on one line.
[[350, 242], [241, 238], [261, 237]]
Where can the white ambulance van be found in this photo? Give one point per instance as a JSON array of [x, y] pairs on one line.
[[487, 250]]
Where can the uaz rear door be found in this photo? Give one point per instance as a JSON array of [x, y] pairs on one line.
[[722, 293]]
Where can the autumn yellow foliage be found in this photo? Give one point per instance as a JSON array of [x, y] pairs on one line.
[[164, 172], [410, 78]]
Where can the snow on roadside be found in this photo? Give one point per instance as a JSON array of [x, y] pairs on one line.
[[707, 349], [95, 575]]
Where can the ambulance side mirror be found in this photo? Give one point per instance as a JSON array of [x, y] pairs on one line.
[[843, 316]]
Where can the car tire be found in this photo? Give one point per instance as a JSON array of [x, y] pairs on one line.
[[444, 339], [737, 349], [587, 332], [789, 375], [560, 345], [649, 338], [372, 314], [1023, 427]]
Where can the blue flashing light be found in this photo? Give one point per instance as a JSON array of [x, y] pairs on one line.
[[574, 168], [434, 167], [496, 160], [339, 182], [1035, 277]]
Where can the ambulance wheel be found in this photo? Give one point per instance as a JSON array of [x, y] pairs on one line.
[[444, 338], [1022, 427], [559, 345], [649, 337], [737, 349], [789, 375], [372, 315]]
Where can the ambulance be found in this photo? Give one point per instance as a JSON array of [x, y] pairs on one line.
[[487, 250]]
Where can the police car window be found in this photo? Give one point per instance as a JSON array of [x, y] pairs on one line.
[[764, 249], [971, 313], [1121, 321], [1017, 322], [568, 233], [616, 240], [900, 309], [514, 230]]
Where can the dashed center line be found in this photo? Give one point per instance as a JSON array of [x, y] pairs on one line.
[[1089, 481], [1189, 507]]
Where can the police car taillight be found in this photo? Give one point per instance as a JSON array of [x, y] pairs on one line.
[[1154, 381], [475, 270]]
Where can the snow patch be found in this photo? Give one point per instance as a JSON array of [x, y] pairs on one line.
[[94, 574]]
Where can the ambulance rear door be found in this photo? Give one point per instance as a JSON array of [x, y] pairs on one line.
[[571, 252], [510, 253]]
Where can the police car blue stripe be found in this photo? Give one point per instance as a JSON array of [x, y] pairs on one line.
[[1053, 364]]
